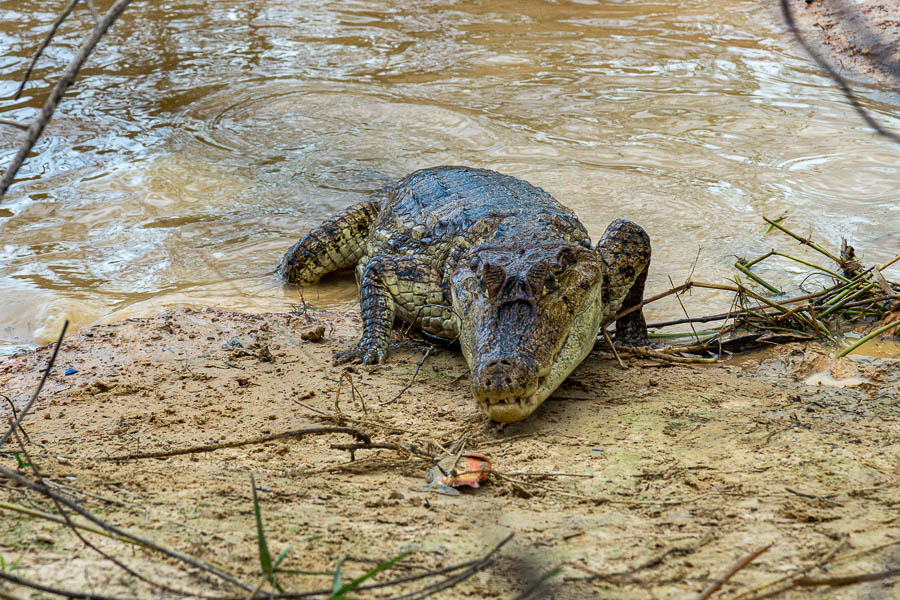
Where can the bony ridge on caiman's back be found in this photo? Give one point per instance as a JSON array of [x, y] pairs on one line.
[[488, 259]]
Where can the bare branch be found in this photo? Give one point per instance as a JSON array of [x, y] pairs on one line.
[[68, 78], [46, 42], [743, 562], [93, 9], [40, 386], [835, 76], [15, 124], [360, 435], [9, 473]]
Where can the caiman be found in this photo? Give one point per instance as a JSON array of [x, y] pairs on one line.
[[492, 261]]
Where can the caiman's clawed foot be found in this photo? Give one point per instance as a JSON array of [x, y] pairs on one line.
[[368, 354]]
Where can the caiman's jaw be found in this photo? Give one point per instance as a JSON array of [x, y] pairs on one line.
[[526, 321]]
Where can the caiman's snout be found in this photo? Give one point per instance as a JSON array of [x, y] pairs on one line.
[[506, 387], [527, 314]]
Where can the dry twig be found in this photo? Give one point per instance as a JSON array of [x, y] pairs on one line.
[[714, 586], [407, 386], [24, 481], [363, 437], [18, 421]]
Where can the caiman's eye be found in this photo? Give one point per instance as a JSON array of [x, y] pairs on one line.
[[472, 285], [549, 282]]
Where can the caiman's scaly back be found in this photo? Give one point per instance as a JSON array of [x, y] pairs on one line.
[[492, 261]]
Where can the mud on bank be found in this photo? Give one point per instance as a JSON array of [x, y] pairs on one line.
[[861, 39], [657, 478]]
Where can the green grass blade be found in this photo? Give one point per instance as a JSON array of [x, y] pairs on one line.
[[21, 463], [336, 581], [282, 556], [265, 559], [339, 594]]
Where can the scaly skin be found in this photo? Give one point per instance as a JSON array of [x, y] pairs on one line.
[[492, 261]]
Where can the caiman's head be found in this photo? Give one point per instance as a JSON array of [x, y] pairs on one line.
[[527, 318]]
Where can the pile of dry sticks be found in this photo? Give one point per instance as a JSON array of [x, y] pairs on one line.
[[855, 295]]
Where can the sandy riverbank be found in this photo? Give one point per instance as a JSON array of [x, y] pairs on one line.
[[687, 464]]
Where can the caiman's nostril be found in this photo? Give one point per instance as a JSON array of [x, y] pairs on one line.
[[504, 376], [494, 363]]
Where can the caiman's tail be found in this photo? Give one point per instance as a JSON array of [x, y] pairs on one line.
[[335, 245]]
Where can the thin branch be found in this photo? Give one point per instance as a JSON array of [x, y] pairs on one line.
[[805, 241], [15, 416], [40, 386], [847, 579], [406, 387], [74, 528], [93, 9], [52, 590], [646, 301], [612, 347], [11, 474], [51, 517], [714, 586], [68, 78], [363, 437], [46, 42], [15, 124], [678, 297], [835, 76]]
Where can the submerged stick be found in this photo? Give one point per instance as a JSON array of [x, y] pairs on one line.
[[865, 339], [804, 241], [743, 269]]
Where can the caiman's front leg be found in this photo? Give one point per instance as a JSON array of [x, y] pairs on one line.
[[398, 285], [625, 248], [335, 245]]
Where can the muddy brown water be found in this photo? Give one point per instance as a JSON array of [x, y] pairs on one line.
[[204, 137]]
